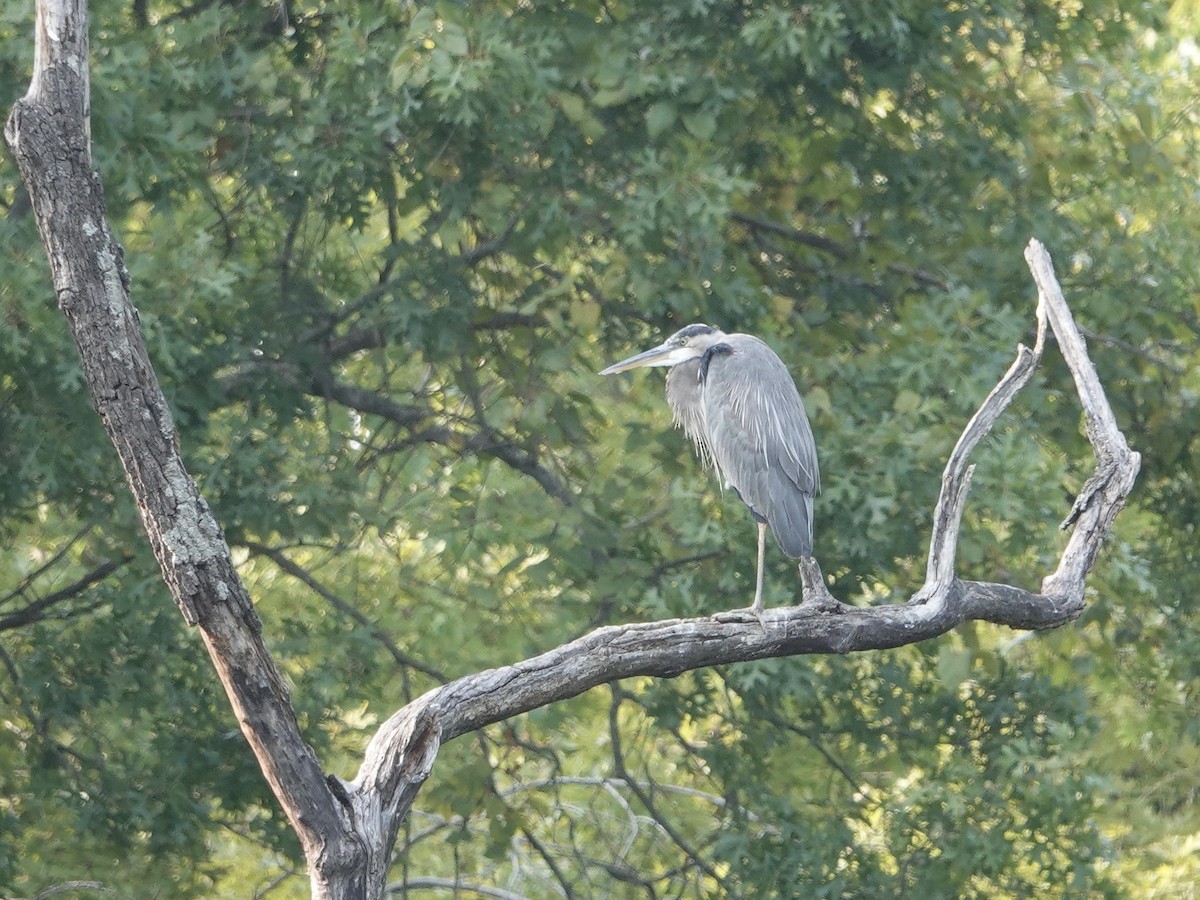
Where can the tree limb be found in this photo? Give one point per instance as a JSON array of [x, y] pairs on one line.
[[808, 238], [1116, 465], [643, 796], [69, 887], [27, 581], [487, 441]]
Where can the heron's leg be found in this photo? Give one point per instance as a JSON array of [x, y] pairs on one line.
[[758, 580]]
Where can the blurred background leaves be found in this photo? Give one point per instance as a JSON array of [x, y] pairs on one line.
[[381, 250]]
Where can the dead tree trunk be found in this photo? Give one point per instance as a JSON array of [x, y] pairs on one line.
[[348, 829]]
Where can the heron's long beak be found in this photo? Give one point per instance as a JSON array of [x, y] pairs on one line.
[[661, 355]]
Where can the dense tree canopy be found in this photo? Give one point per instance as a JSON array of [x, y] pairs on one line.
[[379, 252]]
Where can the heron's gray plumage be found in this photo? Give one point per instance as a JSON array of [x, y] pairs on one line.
[[736, 399], [738, 403]]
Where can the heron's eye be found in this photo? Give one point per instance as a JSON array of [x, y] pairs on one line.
[[683, 342]]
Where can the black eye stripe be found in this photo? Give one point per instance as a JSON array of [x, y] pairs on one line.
[[693, 331]]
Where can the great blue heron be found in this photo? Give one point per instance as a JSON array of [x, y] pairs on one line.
[[736, 399]]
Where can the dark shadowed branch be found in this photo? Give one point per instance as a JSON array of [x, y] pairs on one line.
[[808, 238], [347, 609], [621, 772], [36, 610]]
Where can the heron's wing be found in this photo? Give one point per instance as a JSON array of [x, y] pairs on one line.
[[761, 441]]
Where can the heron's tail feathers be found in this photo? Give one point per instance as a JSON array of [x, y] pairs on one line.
[[791, 521]]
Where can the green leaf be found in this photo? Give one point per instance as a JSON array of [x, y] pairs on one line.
[[453, 40], [701, 124], [953, 666], [659, 117], [906, 402]]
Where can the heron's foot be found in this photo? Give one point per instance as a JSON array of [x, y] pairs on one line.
[[745, 615], [755, 611], [813, 589], [821, 602]]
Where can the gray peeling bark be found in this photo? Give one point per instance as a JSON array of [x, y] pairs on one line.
[[348, 829]]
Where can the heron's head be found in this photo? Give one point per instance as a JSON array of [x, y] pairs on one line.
[[687, 343]]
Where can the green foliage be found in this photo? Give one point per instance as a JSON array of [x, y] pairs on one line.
[[379, 253]]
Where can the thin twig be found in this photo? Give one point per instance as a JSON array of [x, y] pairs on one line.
[[621, 772], [345, 608], [38, 609]]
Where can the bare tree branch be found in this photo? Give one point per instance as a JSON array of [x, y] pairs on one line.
[[956, 480], [1116, 465], [67, 887]]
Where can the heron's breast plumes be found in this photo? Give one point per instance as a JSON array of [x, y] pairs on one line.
[[684, 389]]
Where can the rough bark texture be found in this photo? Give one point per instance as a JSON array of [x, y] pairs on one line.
[[48, 136], [348, 829]]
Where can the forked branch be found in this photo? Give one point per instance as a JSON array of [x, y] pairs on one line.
[[822, 624]]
